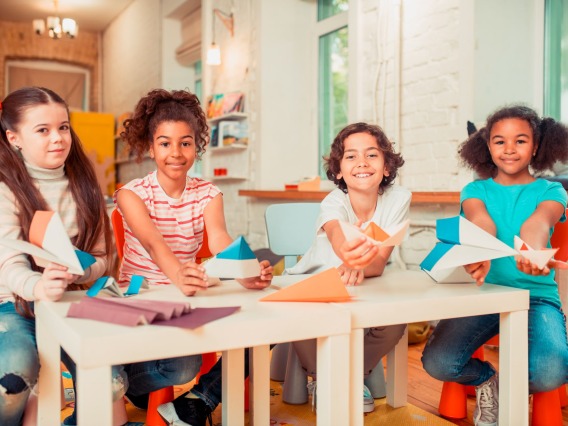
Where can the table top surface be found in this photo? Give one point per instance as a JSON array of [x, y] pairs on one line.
[[396, 297]]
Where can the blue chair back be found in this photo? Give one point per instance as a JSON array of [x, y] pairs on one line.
[[291, 229]]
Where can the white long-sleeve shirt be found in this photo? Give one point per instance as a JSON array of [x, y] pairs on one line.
[[16, 275]]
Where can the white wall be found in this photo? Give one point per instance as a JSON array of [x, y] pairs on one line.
[[131, 52]]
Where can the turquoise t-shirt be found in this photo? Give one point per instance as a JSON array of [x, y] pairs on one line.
[[510, 206]]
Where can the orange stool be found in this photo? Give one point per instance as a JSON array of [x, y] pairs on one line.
[[208, 360], [453, 399], [563, 396], [157, 398], [546, 408]]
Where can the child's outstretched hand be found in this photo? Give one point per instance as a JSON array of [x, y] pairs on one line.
[[53, 282], [260, 282], [358, 254], [525, 265], [553, 263], [350, 276], [478, 271], [190, 278]]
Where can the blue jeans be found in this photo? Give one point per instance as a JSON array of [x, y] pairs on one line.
[[144, 377], [19, 363], [209, 388], [447, 355]]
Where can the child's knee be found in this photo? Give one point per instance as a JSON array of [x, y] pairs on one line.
[[182, 370]]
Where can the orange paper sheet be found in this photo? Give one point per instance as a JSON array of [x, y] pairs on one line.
[[323, 287], [376, 232]]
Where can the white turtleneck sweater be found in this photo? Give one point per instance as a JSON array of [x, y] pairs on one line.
[[16, 275]]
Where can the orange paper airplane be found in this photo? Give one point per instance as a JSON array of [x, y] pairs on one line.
[[323, 287]]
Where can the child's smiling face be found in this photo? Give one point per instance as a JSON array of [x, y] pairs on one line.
[[173, 148], [363, 164], [512, 147]]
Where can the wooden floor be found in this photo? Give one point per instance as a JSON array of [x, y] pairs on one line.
[[423, 397]]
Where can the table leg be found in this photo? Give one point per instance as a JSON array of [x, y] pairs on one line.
[[94, 396], [397, 373], [233, 387], [513, 369], [259, 385], [355, 377], [49, 383], [333, 380]]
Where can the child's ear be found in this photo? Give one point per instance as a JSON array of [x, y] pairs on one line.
[[386, 172], [12, 138], [151, 152], [338, 176]]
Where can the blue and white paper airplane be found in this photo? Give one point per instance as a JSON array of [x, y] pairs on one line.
[[236, 261], [462, 243]]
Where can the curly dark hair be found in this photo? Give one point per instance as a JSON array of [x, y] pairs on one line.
[[160, 105], [393, 161], [550, 138]]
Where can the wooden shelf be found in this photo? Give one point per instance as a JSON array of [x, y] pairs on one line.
[[230, 117], [225, 178], [227, 148], [417, 197]]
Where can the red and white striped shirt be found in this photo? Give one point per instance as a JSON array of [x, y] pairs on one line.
[[180, 221]]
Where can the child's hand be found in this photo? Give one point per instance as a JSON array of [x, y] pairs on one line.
[[553, 263], [350, 276], [190, 278], [53, 282], [260, 282], [525, 265], [358, 254], [478, 271]]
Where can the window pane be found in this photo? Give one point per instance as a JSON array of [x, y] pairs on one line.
[[328, 8], [556, 60], [332, 89]]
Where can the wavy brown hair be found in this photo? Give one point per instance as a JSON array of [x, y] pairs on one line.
[[550, 138], [393, 160], [92, 218], [158, 106]]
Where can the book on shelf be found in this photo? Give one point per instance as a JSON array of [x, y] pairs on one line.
[[232, 133], [220, 104]]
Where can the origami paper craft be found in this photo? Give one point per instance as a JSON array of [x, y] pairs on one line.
[[108, 283], [236, 261], [133, 312], [462, 243], [49, 242], [391, 236], [323, 287]]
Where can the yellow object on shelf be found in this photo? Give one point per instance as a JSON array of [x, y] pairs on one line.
[[96, 131]]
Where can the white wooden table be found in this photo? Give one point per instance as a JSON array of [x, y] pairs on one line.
[[401, 296], [96, 346]]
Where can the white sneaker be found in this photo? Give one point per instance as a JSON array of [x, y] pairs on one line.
[[487, 410], [368, 400]]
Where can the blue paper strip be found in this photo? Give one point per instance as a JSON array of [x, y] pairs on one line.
[[97, 286], [135, 285], [439, 251], [448, 230], [85, 259], [237, 250]]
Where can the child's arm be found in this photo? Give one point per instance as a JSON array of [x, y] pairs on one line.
[[535, 232], [475, 211], [219, 239], [189, 277]]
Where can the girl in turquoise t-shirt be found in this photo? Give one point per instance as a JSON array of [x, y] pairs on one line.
[[509, 201]]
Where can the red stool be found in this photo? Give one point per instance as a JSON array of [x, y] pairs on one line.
[[453, 399], [546, 408], [157, 398]]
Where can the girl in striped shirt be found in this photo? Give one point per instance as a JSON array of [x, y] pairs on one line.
[[166, 212]]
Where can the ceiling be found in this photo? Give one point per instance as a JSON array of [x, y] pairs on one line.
[[91, 15]]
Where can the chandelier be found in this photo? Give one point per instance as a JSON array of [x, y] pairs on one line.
[[56, 27]]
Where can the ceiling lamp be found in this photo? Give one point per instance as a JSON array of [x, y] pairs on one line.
[[56, 27], [214, 51]]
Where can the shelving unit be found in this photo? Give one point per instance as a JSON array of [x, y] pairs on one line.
[[233, 157]]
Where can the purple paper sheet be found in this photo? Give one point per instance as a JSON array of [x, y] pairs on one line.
[[199, 316], [131, 312]]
